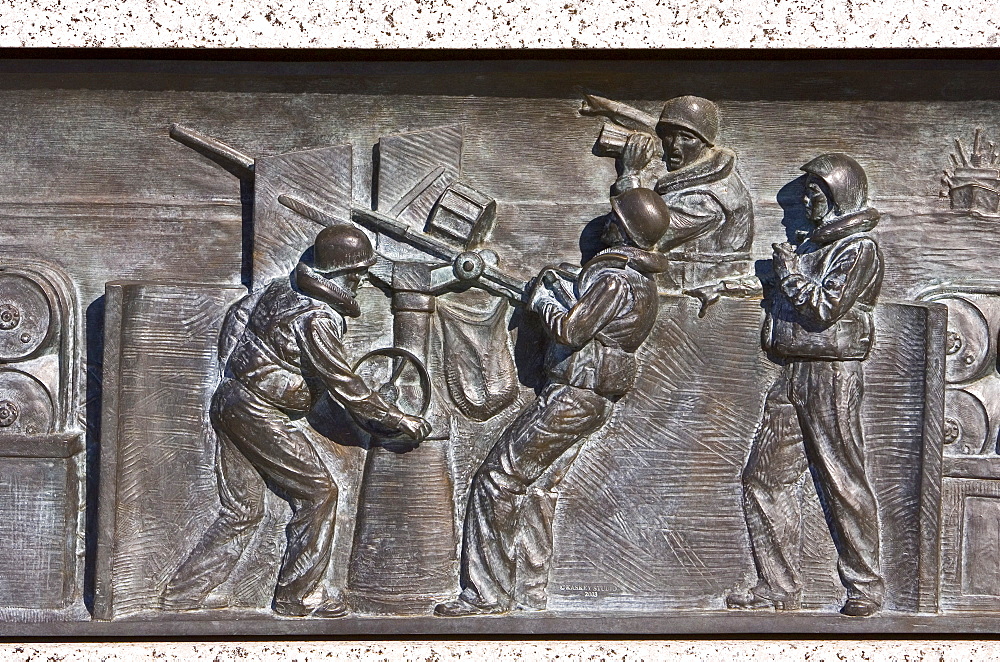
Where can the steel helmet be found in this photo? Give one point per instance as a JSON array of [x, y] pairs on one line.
[[844, 178], [643, 214], [693, 113], [341, 248]]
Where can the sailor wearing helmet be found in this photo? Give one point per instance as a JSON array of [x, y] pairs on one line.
[[285, 354], [711, 228], [595, 325], [820, 327]]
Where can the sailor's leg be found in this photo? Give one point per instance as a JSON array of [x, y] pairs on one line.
[[828, 395], [772, 500], [241, 495], [559, 418]]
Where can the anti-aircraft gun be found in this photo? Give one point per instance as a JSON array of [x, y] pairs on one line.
[[428, 257], [445, 255], [460, 216]]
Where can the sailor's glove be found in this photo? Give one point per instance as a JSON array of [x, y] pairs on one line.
[[414, 427], [638, 152], [540, 294], [786, 262]]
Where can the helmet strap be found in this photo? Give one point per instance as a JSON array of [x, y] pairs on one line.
[[327, 291]]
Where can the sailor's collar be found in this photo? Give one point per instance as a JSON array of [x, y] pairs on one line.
[[839, 227], [310, 283], [643, 261], [715, 164]]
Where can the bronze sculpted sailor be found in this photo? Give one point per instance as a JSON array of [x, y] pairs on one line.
[[595, 323], [285, 350], [820, 326], [711, 229]]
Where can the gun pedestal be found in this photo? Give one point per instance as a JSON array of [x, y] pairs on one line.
[[395, 566]]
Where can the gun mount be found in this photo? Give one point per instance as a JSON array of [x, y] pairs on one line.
[[477, 268], [460, 218]]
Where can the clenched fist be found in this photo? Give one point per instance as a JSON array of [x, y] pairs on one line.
[[414, 427]]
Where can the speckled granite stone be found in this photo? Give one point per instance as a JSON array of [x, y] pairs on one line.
[[503, 24], [500, 23]]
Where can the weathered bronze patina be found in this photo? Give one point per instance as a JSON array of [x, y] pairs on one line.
[[499, 347]]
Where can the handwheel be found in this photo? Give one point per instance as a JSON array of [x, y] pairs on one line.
[[397, 360]]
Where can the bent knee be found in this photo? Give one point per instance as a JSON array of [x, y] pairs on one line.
[[495, 482], [320, 489]]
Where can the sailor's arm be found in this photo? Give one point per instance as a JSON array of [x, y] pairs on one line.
[[828, 296], [600, 304], [322, 345], [641, 168]]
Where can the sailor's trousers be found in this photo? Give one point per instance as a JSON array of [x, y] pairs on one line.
[[812, 418], [507, 543], [260, 444]]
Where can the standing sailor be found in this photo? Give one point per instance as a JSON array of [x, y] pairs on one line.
[[820, 325]]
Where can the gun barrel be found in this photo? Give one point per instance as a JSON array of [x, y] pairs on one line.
[[378, 222], [503, 285], [233, 160], [492, 279]]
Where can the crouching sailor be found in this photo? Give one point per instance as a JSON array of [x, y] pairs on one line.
[[284, 358]]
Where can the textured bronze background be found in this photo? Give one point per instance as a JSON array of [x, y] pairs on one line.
[[134, 246]]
